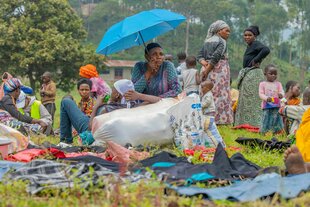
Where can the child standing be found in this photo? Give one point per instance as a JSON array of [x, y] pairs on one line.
[[48, 93], [191, 79], [207, 101], [271, 91]]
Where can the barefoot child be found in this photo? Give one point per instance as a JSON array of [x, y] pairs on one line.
[[271, 91], [207, 101]]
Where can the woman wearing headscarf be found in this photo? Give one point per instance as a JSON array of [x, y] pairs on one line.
[[249, 104], [213, 58], [154, 78], [6, 76], [99, 86], [12, 89]]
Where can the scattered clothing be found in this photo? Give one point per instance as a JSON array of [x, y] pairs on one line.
[[272, 144], [44, 174], [247, 127], [164, 84], [222, 167], [6, 166], [95, 149], [30, 154], [248, 110], [250, 190]]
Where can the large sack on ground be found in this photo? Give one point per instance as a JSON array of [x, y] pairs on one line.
[[191, 127], [19, 141], [148, 124]]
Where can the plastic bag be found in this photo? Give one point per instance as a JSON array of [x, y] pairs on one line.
[[188, 125]]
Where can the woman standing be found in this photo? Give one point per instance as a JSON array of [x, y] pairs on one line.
[[249, 104], [213, 58]]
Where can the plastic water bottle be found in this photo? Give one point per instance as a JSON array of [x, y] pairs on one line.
[[195, 138]]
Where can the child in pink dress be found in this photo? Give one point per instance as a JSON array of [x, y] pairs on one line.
[[271, 92]]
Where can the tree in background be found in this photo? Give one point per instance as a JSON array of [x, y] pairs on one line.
[[42, 35]]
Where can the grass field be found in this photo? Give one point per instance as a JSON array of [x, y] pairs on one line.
[[146, 193]]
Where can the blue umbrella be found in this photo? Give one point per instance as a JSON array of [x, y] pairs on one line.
[[138, 29]]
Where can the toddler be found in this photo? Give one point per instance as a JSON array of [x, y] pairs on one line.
[[190, 76], [271, 91], [207, 101]]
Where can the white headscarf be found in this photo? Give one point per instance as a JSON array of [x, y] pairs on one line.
[[122, 86], [215, 27]]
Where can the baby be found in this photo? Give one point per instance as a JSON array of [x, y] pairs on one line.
[[207, 101]]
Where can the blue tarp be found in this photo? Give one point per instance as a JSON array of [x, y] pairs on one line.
[[5, 166], [251, 190]]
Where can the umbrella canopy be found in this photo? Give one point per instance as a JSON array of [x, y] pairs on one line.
[[137, 29]]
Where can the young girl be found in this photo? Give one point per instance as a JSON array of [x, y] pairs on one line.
[[292, 93], [271, 91]]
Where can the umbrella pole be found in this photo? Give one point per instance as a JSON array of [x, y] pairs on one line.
[[142, 39], [143, 42]]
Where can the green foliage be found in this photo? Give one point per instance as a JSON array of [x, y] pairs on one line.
[[42, 35]]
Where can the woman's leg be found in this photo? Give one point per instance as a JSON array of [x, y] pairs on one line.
[[71, 115]]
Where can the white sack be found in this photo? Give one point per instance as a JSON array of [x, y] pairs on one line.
[[149, 124]]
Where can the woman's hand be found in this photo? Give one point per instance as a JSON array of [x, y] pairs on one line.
[[132, 95], [204, 63], [280, 95], [256, 65], [269, 99], [205, 72]]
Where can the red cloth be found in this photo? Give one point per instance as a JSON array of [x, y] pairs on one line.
[[30, 154], [206, 154], [247, 127]]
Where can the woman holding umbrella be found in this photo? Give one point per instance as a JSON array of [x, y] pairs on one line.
[[213, 58], [249, 104], [154, 78]]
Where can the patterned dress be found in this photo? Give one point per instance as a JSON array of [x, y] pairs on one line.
[[220, 76], [164, 84], [249, 104]]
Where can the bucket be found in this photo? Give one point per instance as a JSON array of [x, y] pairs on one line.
[[4, 147]]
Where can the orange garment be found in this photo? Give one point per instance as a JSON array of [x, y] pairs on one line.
[[88, 71], [303, 136], [293, 101], [9, 76]]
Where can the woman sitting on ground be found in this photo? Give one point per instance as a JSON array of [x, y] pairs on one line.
[[154, 78], [72, 115], [12, 89]]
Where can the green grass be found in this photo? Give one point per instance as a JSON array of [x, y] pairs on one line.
[[144, 193]]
